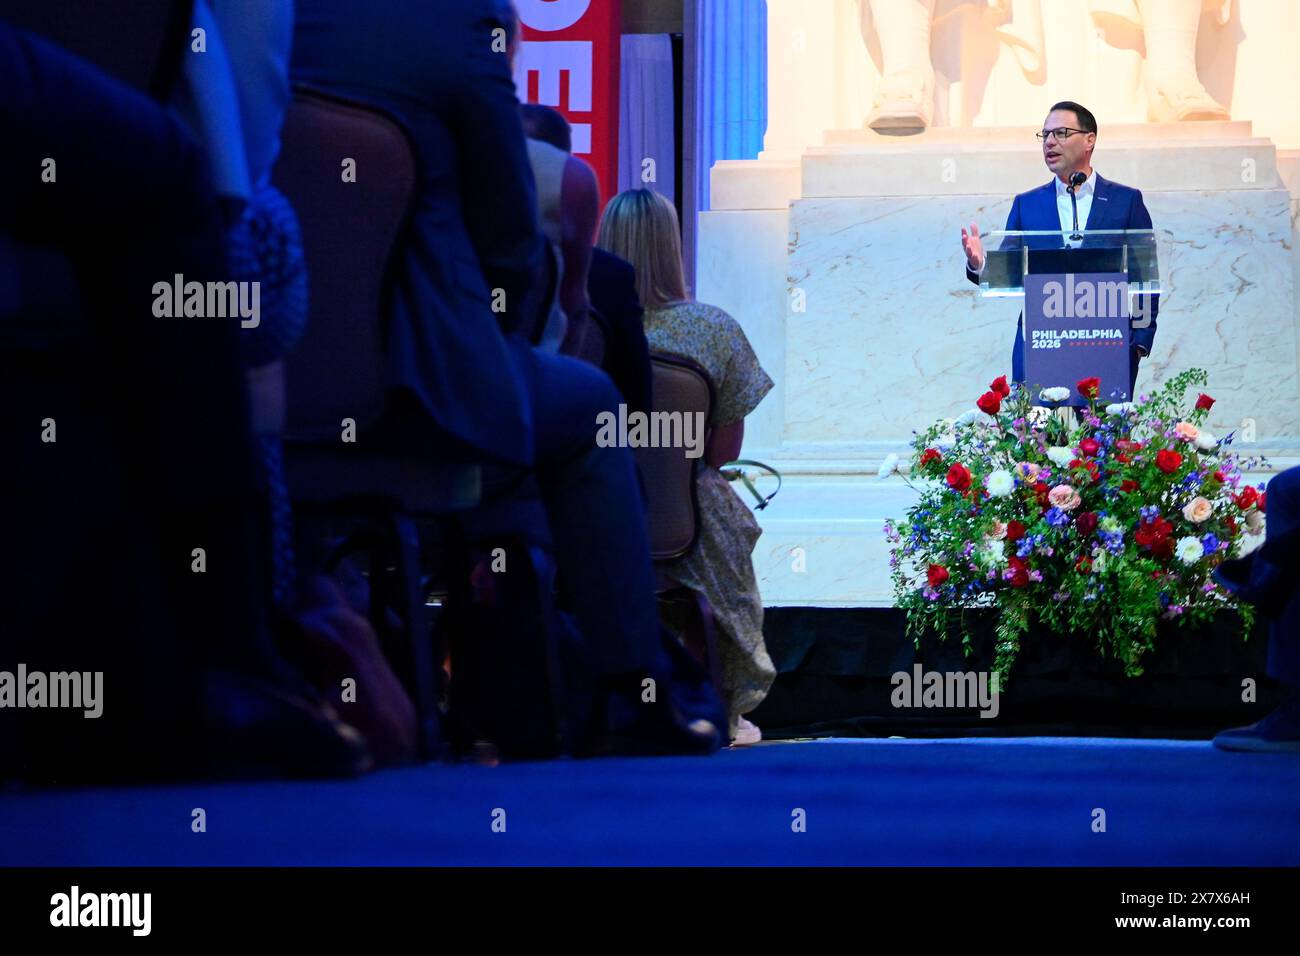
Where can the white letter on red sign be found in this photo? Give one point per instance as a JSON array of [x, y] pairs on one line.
[[551, 15], [548, 59]]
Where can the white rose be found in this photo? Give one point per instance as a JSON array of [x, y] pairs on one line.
[[995, 554], [1000, 483], [1120, 408], [1254, 521], [1038, 414], [945, 442], [888, 466], [1189, 550], [1206, 441], [1058, 394], [976, 416], [1248, 543], [1061, 455]]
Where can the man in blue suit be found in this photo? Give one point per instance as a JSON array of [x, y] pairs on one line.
[[1069, 136]]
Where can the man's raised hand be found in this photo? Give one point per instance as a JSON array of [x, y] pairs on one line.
[[973, 247]]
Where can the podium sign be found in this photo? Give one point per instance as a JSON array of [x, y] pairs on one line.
[[1077, 326]]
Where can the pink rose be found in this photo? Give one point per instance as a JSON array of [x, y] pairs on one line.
[[1198, 510], [1186, 431], [1064, 497]]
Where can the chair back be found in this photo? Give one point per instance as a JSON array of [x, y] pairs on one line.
[[678, 384], [352, 217], [140, 42]]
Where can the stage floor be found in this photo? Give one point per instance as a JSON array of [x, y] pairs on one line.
[[1020, 801]]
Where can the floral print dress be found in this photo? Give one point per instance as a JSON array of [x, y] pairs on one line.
[[721, 566]]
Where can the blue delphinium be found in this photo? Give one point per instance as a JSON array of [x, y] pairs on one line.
[[1057, 518]]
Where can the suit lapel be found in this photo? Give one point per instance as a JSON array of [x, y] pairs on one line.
[[1101, 215], [1045, 215]]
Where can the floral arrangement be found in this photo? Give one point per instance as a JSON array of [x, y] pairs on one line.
[[1101, 523]]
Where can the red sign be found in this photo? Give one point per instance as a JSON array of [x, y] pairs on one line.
[[569, 59]]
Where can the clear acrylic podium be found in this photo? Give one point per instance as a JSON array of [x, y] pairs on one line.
[[1012, 255]]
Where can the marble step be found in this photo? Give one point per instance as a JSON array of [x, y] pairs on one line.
[[938, 169], [1116, 133]]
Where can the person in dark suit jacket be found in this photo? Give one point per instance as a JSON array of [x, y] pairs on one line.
[[1269, 578], [440, 67], [611, 285], [127, 447], [1069, 136]]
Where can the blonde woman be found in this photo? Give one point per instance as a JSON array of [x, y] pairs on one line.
[[641, 226]]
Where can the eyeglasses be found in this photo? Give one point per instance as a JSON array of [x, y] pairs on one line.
[[1062, 133]]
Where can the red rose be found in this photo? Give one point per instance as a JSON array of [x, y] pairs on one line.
[[1127, 444], [1093, 472], [1261, 501], [1168, 460], [1204, 401], [929, 455], [1164, 548], [1019, 572], [1231, 522], [1090, 447], [1127, 485], [1122, 458], [1089, 387], [1086, 522], [1154, 532], [1015, 530], [1040, 492], [959, 477], [1248, 498], [1219, 476], [990, 403], [1000, 386], [937, 574]]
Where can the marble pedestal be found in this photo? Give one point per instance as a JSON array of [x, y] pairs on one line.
[[845, 269]]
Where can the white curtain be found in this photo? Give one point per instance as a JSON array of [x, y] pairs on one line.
[[646, 145]]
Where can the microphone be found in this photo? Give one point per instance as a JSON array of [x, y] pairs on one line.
[[1076, 180]]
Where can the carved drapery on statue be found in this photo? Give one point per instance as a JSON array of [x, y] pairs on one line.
[[901, 30]]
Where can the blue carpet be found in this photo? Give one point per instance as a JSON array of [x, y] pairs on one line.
[[867, 802]]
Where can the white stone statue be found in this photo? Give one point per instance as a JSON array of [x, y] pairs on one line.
[[1174, 90], [905, 97]]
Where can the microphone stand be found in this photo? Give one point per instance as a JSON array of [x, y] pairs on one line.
[[1074, 205]]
